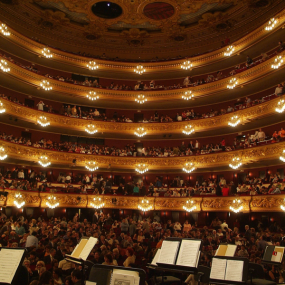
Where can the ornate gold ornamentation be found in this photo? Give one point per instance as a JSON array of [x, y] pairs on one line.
[[134, 8], [246, 115], [135, 37]]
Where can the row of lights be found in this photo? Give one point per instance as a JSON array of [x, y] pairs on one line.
[[143, 205], [188, 95], [186, 65]]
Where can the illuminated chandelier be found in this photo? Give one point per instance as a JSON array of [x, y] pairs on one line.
[[141, 168], [282, 158], [2, 109], [188, 95], [189, 167], [233, 83], [236, 163], [19, 200], [280, 106], [43, 161], [91, 165], [140, 132], [97, 202], [91, 129], [144, 205], [188, 130], [3, 154], [43, 121], [4, 30], [47, 53], [139, 69], [92, 65], [52, 202], [45, 85], [92, 96], [236, 206], [229, 51], [189, 206], [186, 65], [141, 99], [277, 62], [234, 121], [271, 24], [4, 66]]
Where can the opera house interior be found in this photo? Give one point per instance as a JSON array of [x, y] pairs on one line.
[[143, 140]]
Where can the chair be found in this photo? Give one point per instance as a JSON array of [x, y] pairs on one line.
[[256, 275]]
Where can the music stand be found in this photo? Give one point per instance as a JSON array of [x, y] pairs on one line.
[[179, 269], [271, 255], [244, 272], [103, 269], [14, 263]]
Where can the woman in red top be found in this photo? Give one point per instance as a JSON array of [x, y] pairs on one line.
[[225, 190]]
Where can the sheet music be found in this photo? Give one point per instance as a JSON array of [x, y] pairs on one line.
[[188, 253], [218, 268], [168, 252], [9, 263], [156, 257], [234, 271], [90, 283], [135, 274], [88, 247], [231, 250], [122, 279]]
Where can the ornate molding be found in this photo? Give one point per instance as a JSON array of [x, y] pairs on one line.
[[200, 125], [32, 199], [208, 89], [208, 160], [260, 203], [223, 204], [201, 60]]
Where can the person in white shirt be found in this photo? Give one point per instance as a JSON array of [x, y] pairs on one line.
[[177, 226], [278, 90], [67, 178], [41, 106], [224, 225], [261, 135], [96, 113], [21, 174]]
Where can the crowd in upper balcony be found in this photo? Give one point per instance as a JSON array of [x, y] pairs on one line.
[[188, 81], [194, 147], [187, 115], [19, 179]]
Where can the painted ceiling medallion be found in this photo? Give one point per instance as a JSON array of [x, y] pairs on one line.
[[158, 11]]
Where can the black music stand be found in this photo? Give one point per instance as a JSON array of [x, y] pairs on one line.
[[103, 270], [230, 282], [21, 271], [178, 269], [269, 253]]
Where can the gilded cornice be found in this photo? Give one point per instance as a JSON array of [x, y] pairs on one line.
[[260, 203], [197, 61], [270, 151], [74, 90], [201, 125]]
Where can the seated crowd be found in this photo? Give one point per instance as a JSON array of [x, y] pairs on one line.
[[192, 148], [129, 241], [19, 180], [152, 86], [84, 112]]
